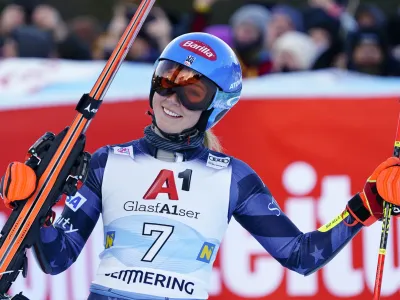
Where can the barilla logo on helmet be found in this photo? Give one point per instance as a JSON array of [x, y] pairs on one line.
[[199, 48]]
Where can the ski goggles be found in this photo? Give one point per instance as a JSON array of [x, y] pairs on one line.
[[194, 90]]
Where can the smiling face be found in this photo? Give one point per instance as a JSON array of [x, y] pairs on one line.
[[172, 117]]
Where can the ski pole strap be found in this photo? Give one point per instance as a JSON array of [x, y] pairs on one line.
[[357, 209], [88, 106]]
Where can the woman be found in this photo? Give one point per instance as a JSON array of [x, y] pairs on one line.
[[166, 199]]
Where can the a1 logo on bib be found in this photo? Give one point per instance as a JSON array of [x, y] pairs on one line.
[[75, 202], [165, 184]]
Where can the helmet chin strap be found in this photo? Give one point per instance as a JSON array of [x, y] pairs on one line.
[[186, 134]]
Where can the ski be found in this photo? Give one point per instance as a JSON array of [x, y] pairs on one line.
[[60, 164]]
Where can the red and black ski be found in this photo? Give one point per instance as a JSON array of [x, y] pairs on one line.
[[55, 157]]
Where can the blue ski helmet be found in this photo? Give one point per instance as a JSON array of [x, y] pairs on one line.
[[214, 59]]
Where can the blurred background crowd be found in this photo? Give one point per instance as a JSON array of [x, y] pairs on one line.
[[268, 36]]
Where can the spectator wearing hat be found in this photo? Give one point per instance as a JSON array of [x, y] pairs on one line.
[[283, 18], [29, 42], [369, 15], [293, 51], [324, 29], [368, 52], [337, 9], [248, 29]]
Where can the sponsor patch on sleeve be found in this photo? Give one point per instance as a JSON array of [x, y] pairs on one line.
[[75, 202], [217, 162], [128, 151]]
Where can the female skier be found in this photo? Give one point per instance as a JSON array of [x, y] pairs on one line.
[[166, 199]]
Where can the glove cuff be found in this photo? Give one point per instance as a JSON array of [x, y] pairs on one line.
[[357, 209]]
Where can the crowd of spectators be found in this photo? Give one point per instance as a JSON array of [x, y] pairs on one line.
[[267, 38]]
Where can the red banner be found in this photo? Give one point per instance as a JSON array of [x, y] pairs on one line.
[[312, 154]]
